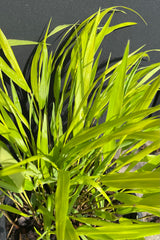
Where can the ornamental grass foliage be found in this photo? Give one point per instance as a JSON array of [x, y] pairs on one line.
[[70, 179]]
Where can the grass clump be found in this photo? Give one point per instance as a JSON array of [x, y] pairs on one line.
[[67, 177]]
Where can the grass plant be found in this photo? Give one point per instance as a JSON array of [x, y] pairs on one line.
[[60, 165]]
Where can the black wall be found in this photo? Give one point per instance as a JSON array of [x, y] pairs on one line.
[[26, 19]]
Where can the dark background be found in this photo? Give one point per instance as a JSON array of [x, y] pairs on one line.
[[27, 19]]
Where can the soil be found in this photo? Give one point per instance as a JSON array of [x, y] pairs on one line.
[[22, 229]]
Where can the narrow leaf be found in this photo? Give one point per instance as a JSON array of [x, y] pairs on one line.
[[61, 203], [132, 180]]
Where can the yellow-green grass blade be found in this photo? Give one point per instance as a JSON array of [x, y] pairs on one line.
[[98, 103], [139, 156], [43, 133], [149, 95], [73, 199], [56, 125], [70, 233], [149, 73], [91, 25], [117, 95], [59, 126], [129, 79], [58, 29], [7, 103], [133, 100], [153, 161], [81, 117], [82, 150], [137, 96], [98, 130], [46, 77], [65, 93], [44, 82], [4, 130], [80, 27], [95, 68], [127, 209], [141, 95], [13, 210], [8, 183], [49, 211], [61, 203], [20, 135], [31, 159], [143, 75], [91, 221], [151, 199], [39, 134], [18, 42], [44, 211], [13, 75], [71, 38], [86, 180], [127, 198], [45, 72], [15, 97], [34, 72], [152, 135], [68, 43], [24, 135], [57, 87], [120, 25], [72, 70], [52, 123], [31, 110], [77, 87], [61, 92], [94, 39], [115, 103], [103, 32], [6, 172], [79, 94], [11, 58], [42, 142], [132, 10], [120, 231], [106, 30], [13, 135], [3, 84], [153, 208], [89, 52], [80, 111], [132, 60], [132, 180], [150, 204]]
